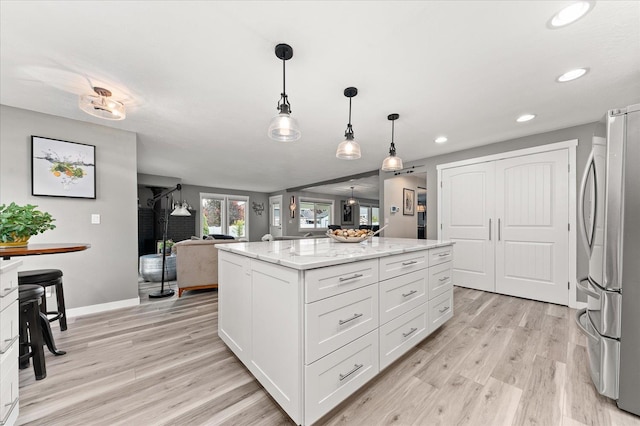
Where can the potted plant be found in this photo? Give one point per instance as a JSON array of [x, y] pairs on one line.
[[19, 223]]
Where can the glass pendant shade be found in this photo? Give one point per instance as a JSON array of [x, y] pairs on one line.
[[348, 149], [392, 163], [100, 105], [351, 201], [284, 128]]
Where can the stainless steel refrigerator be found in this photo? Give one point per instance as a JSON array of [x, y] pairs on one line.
[[609, 218]]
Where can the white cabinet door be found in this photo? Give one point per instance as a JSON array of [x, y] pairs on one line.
[[533, 214], [467, 219]]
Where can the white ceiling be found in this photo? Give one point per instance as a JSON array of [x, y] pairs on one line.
[[366, 187], [201, 80]]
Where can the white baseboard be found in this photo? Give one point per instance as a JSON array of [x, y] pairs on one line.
[[102, 307]]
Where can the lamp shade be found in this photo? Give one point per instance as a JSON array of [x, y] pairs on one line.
[[181, 210], [348, 149], [284, 128], [392, 163]]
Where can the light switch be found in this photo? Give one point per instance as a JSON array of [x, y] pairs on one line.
[[95, 219]]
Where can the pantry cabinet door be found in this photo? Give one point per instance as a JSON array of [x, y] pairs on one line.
[[532, 248], [467, 219]]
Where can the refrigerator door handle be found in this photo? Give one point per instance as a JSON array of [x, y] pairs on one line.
[[582, 328], [586, 290], [588, 243]]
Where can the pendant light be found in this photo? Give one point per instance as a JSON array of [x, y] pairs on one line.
[[99, 104], [283, 127], [349, 148], [392, 163], [351, 201]]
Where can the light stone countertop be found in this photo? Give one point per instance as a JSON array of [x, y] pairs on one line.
[[320, 252]]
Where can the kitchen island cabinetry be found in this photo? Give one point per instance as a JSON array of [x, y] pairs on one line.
[[314, 320]]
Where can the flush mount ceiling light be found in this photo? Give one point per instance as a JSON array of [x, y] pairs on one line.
[[349, 148], [351, 201], [440, 139], [525, 117], [570, 14], [100, 105], [572, 75], [392, 162], [283, 127]]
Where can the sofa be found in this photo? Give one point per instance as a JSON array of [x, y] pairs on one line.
[[197, 264]]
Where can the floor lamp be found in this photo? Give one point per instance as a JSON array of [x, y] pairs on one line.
[[180, 210]]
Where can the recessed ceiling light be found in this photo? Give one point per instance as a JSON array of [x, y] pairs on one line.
[[440, 139], [570, 14], [525, 117], [572, 75]]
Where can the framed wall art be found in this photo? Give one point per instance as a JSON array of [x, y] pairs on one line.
[[62, 168], [408, 201], [347, 213]]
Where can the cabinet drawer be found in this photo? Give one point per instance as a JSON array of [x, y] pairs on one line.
[[9, 278], [401, 264], [403, 333], [401, 294], [440, 255], [440, 279], [9, 383], [440, 310], [9, 326], [333, 378], [332, 323], [326, 282]]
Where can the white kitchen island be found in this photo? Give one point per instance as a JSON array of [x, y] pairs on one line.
[[314, 319]]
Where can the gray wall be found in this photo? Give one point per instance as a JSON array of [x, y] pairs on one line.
[[582, 133], [108, 271], [401, 225]]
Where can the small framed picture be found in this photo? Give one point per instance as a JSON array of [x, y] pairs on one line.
[[408, 201], [62, 169], [347, 213]]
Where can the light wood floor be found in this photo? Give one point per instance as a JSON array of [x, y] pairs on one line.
[[499, 361]]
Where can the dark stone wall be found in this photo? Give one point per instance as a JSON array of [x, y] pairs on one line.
[[150, 227]]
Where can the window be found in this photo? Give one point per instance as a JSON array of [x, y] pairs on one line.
[[369, 215], [224, 214], [315, 214]]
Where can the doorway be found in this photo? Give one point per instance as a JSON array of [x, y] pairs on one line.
[[275, 215]]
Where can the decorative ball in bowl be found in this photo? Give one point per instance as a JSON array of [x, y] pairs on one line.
[[350, 235]]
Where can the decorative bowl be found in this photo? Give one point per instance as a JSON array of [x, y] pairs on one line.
[[354, 239]]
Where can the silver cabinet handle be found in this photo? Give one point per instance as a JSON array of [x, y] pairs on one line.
[[6, 416], [412, 262], [355, 316], [489, 229], [443, 279], [410, 293], [9, 345], [353, 277], [410, 332], [586, 290], [355, 368], [443, 310], [499, 226], [444, 254]]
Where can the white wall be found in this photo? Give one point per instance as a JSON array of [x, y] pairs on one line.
[[107, 272], [400, 225]]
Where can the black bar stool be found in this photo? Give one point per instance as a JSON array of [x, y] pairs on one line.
[[46, 278], [31, 338]]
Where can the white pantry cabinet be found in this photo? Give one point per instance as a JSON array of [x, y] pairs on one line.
[[9, 341]]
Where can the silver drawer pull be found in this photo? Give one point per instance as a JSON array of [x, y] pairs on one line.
[[355, 368], [443, 279], [410, 332], [443, 310], [444, 254], [353, 277], [11, 406], [410, 293], [6, 348], [411, 262], [355, 316]]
